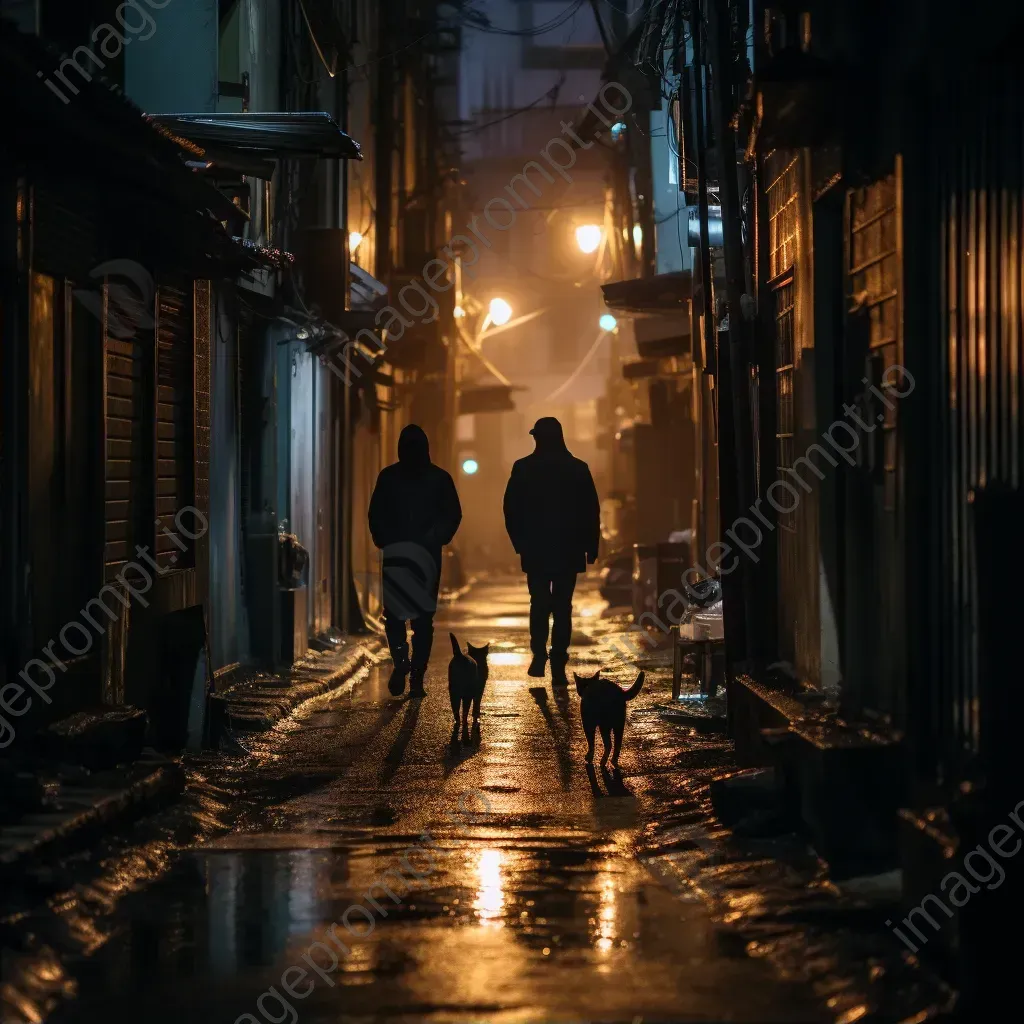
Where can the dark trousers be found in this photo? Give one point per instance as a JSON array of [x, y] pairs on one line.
[[410, 582], [551, 599]]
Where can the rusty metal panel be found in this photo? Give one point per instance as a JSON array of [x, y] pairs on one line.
[[875, 283], [791, 286], [41, 465], [202, 384], [875, 660], [176, 331], [127, 429], [977, 234]]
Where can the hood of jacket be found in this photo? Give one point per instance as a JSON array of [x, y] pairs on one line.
[[413, 447]]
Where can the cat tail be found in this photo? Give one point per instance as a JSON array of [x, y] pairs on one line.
[[455, 644], [635, 688]]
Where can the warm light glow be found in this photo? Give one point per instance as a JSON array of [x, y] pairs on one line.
[[605, 924], [459, 312], [507, 658], [588, 237], [512, 622], [638, 236], [354, 239], [607, 322], [500, 312], [490, 897], [470, 466]]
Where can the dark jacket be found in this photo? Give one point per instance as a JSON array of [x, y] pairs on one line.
[[414, 501], [552, 512]]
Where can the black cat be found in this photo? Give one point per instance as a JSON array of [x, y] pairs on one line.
[[467, 674], [603, 706]]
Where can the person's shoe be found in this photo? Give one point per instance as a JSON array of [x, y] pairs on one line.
[[396, 683], [558, 676], [537, 666], [416, 683]]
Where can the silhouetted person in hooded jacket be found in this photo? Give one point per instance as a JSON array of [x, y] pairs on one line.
[[553, 518], [414, 512]]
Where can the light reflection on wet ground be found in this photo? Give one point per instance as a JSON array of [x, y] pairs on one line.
[[537, 911]]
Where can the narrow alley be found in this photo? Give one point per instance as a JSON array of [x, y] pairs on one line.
[[539, 912], [543, 902], [677, 344]]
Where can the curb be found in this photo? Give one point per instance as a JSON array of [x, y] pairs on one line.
[[90, 810], [259, 705]]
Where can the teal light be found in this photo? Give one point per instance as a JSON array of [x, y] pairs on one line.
[[607, 322], [618, 128], [470, 466]]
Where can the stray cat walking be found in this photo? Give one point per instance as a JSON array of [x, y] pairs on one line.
[[467, 674]]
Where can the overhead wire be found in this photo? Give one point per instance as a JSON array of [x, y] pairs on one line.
[[536, 30], [551, 94], [579, 369]]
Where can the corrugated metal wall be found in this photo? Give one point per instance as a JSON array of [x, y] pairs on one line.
[[791, 284], [175, 469], [127, 401], [975, 152], [875, 655]]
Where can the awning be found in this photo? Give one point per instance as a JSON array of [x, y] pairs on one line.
[[269, 135], [491, 398], [648, 296], [156, 209], [368, 297], [367, 292], [661, 335], [216, 161], [267, 256], [639, 369]]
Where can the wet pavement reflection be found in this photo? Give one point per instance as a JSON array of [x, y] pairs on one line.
[[530, 907]]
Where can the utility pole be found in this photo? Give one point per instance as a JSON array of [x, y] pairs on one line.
[[703, 331], [738, 337], [343, 430]]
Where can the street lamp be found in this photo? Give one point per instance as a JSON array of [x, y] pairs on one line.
[[354, 238], [470, 466], [588, 237], [607, 322], [638, 236], [499, 312]]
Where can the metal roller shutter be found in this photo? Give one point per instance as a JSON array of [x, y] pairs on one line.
[[174, 422], [127, 380]]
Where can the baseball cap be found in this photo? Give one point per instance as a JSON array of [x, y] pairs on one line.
[[547, 426]]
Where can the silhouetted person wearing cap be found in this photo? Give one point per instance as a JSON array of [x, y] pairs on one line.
[[414, 512], [553, 518]]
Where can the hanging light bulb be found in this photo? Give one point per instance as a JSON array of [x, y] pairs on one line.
[[588, 237], [500, 312]]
